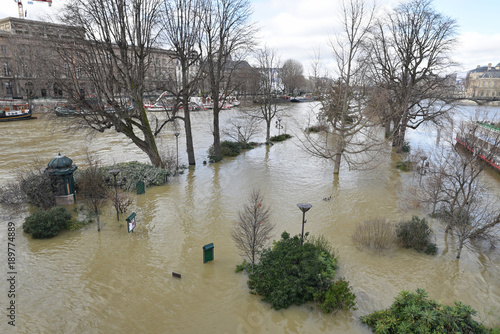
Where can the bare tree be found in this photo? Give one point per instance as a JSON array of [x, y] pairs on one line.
[[228, 35], [318, 75], [450, 184], [183, 24], [409, 54], [354, 137], [242, 128], [92, 188], [253, 228], [108, 61], [292, 75], [269, 108]]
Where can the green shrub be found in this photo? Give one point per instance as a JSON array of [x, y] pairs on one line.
[[282, 137], [291, 273], [416, 313], [376, 234], [416, 234], [404, 166], [227, 149], [47, 224], [338, 297]]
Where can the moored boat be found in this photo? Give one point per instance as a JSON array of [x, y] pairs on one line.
[[15, 112], [483, 140]]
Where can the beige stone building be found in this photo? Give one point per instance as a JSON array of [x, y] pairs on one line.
[[32, 68], [484, 82]]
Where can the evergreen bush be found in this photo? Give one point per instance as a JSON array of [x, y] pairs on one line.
[[281, 137], [416, 313], [294, 273], [416, 234], [47, 224]]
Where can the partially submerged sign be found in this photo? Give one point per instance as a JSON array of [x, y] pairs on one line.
[[131, 222]]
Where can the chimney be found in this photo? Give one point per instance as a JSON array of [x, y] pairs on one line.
[[489, 66]]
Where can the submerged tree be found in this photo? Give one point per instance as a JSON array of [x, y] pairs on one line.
[[342, 104], [105, 65], [227, 36], [408, 56], [182, 31], [92, 188], [450, 186], [269, 108], [253, 228]]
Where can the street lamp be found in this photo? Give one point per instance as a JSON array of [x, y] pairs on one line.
[[177, 145], [304, 207], [278, 126], [115, 172]]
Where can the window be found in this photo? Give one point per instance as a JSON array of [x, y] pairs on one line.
[[6, 71], [8, 88], [3, 49]]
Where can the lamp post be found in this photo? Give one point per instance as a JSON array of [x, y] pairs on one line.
[[304, 207], [278, 126], [115, 172], [177, 146]]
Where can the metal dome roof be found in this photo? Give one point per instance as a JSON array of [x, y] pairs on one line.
[[60, 162]]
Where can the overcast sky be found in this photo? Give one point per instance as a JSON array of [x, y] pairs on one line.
[[297, 29]]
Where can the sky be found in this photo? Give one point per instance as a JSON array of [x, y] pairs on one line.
[[301, 29]]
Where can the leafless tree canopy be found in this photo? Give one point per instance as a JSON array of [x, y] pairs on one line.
[[292, 75], [92, 189], [448, 183], [268, 65], [228, 35], [342, 104], [253, 228], [107, 60], [409, 54], [183, 24]]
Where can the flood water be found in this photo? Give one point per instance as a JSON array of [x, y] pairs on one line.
[[117, 282]]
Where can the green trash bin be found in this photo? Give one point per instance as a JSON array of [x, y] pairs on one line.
[[208, 253]]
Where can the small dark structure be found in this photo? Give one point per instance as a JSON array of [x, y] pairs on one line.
[[61, 169]]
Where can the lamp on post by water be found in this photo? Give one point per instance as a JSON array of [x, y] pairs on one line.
[[177, 145], [115, 172], [304, 207]]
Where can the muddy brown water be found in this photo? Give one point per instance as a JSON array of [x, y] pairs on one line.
[[117, 282]]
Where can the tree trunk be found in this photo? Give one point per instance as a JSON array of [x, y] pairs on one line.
[[268, 131], [460, 246], [98, 223], [338, 158], [216, 133], [189, 134]]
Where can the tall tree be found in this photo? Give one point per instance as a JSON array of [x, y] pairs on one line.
[[409, 54], [228, 34], [108, 60], [182, 31], [343, 102], [268, 65], [292, 75]]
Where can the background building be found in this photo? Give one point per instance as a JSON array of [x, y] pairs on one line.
[[484, 82], [32, 66]]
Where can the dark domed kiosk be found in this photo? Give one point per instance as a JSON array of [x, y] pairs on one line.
[[61, 169]]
